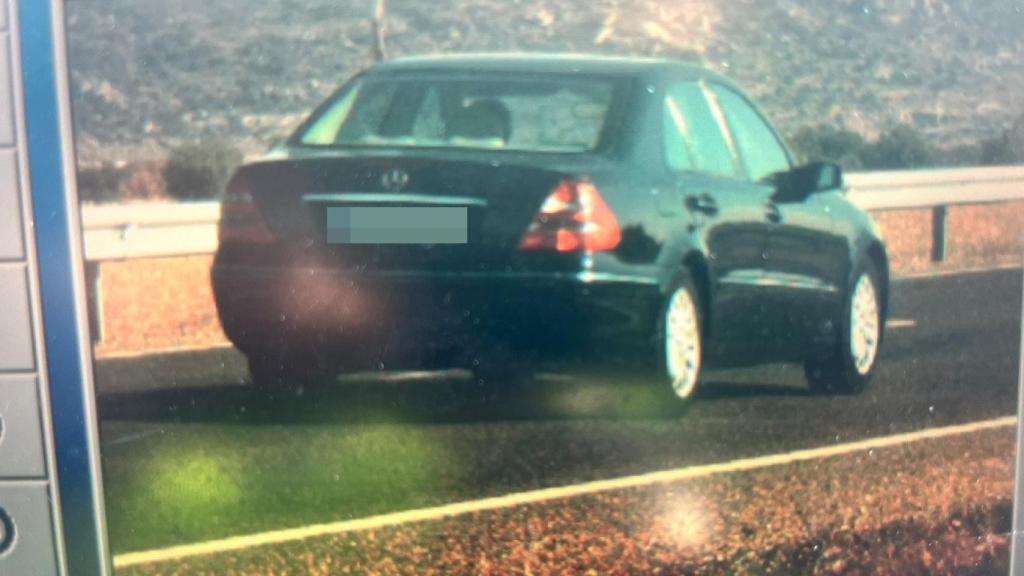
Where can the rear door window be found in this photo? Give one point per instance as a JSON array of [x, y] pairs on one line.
[[709, 146], [676, 134], [760, 149]]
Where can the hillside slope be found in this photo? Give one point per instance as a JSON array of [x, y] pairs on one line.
[[149, 74]]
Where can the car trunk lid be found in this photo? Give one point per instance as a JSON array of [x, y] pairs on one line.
[[501, 196]]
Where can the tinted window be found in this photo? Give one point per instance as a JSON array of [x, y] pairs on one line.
[[710, 150], [516, 114], [675, 133], [759, 148]]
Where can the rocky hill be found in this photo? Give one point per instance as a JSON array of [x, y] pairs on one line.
[[150, 74]]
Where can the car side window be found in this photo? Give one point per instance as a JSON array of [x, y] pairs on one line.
[[325, 129], [711, 152], [759, 148], [675, 134]]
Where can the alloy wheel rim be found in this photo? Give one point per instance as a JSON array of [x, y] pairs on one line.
[[864, 325], [682, 343]]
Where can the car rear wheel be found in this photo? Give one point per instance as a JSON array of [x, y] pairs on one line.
[[682, 346], [849, 369]]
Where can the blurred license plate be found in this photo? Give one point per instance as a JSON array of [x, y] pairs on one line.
[[397, 225]]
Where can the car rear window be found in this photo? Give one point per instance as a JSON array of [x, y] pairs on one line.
[[526, 114]]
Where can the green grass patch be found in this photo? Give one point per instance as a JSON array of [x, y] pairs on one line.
[[196, 482], [189, 465]]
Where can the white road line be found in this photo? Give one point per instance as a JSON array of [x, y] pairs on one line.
[[897, 323], [943, 272], [132, 438], [533, 496]]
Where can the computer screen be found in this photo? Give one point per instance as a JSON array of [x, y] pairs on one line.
[[534, 287]]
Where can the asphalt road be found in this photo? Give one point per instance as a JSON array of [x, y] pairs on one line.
[[951, 358]]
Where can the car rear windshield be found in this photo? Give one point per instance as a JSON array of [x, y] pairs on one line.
[[534, 114]]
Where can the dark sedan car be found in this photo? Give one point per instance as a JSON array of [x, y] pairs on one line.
[[495, 211]]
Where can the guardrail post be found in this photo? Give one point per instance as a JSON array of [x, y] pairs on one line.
[[94, 295], [939, 223]]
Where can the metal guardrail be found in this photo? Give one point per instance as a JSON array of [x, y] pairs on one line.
[[124, 231], [935, 188]]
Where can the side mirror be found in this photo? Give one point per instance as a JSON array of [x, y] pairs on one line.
[[802, 181]]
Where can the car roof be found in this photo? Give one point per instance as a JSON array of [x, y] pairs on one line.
[[546, 63]]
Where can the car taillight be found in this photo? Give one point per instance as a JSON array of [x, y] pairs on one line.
[[240, 219], [573, 218]]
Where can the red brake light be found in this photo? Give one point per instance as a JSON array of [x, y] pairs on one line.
[[240, 219], [573, 218]]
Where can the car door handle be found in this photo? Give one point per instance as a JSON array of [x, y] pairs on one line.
[[704, 203], [772, 213]]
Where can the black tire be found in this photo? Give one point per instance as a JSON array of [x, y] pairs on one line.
[[685, 385], [840, 372]]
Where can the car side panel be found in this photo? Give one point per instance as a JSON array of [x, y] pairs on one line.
[[806, 277], [730, 239], [732, 236], [862, 233]]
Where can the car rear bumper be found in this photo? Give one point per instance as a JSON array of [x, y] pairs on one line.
[[362, 314]]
